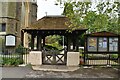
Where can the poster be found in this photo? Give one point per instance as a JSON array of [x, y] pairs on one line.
[[10, 40], [92, 44], [113, 44], [102, 44]]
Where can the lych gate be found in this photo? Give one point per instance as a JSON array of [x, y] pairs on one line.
[[53, 25]]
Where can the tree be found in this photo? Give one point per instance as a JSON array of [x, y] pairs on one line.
[[105, 17]]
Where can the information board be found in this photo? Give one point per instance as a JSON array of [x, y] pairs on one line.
[[92, 44], [10, 40]]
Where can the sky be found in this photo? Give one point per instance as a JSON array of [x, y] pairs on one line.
[[48, 7]]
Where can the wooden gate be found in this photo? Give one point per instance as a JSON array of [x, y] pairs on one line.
[[54, 57]]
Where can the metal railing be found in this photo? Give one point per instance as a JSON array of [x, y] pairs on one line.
[[101, 59], [14, 57]]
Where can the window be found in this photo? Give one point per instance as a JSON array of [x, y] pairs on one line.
[[2, 27]]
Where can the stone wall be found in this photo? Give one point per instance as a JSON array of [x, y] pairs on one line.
[[13, 14]]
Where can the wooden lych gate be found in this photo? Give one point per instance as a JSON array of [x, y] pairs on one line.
[[53, 25]]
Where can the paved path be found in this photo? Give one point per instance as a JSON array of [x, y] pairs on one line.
[[15, 72], [27, 72], [80, 73]]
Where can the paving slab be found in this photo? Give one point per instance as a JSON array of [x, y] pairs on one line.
[[55, 68]]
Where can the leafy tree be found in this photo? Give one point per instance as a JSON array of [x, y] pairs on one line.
[[54, 41], [105, 16]]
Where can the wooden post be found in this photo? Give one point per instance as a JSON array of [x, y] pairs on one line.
[[74, 42], [77, 44], [68, 42], [32, 42], [85, 49], [118, 55], [39, 45], [22, 38], [44, 41]]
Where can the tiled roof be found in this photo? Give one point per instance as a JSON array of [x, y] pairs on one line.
[[51, 22]]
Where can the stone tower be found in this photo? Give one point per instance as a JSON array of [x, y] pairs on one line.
[[13, 17]]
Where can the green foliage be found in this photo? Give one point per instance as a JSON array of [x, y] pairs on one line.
[[54, 41], [96, 22], [2, 45], [12, 61], [49, 47], [105, 16], [53, 38], [114, 55], [56, 46], [20, 49]]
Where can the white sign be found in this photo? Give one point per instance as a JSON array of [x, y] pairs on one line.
[[10, 40]]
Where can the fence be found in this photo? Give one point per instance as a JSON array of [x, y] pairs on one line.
[[101, 59], [21, 56], [14, 57]]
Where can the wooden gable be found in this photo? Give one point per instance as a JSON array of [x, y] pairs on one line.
[[102, 34]]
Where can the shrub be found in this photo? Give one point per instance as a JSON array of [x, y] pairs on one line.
[[12, 61], [21, 49]]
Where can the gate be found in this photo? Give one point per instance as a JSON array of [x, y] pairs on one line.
[[54, 57]]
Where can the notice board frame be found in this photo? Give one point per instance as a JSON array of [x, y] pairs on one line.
[[98, 35], [6, 41]]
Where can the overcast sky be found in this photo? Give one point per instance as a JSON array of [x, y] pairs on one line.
[[49, 7]]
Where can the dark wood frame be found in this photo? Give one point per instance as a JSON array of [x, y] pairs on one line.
[[43, 33], [90, 35], [15, 40], [102, 34]]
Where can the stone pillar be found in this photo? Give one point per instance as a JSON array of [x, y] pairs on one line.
[[73, 59], [35, 58], [25, 40], [39, 45]]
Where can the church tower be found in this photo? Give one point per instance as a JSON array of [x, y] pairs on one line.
[[13, 17]]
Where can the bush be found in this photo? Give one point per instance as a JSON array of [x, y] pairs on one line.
[[114, 55], [21, 49], [49, 47], [12, 61], [55, 46]]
